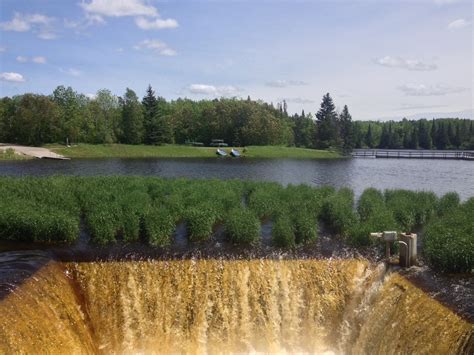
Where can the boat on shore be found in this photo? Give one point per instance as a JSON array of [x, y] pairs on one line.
[[235, 153], [221, 152]]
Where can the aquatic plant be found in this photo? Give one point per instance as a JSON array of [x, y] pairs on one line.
[[282, 232], [447, 203], [448, 242], [200, 221], [158, 226], [338, 211], [242, 226]]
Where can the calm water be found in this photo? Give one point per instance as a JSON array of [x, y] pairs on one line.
[[440, 176]]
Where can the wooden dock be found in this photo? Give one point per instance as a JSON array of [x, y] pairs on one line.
[[413, 154]]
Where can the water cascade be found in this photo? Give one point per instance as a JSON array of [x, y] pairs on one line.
[[226, 306]]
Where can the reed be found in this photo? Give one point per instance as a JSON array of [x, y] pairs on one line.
[[242, 226]]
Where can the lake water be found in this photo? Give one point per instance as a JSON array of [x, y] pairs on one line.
[[439, 176]]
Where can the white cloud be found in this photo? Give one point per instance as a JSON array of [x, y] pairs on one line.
[[2, 49], [155, 24], [21, 59], [409, 64], [119, 8], [39, 60], [12, 77], [71, 71], [40, 24], [459, 23], [429, 90], [211, 90], [156, 46], [285, 83]]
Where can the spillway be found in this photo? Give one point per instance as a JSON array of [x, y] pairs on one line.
[[224, 307]]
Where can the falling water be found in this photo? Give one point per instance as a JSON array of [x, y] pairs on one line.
[[226, 306]]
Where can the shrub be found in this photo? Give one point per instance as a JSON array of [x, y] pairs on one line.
[[282, 232], [158, 226], [448, 242], [242, 226]]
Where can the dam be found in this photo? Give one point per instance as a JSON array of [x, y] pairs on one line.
[[218, 306]]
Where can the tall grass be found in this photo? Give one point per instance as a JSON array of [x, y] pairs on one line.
[[242, 226], [449, 240]]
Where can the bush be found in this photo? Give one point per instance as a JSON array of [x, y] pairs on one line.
[[158, 226], [448, 242], [242, 226], [282, 232]]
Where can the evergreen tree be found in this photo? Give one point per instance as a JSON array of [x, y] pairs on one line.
[[132, 118], [442, 138], [385, 138], [424, 137], [346, 130], [369, 139], [149, 112], [327, 134]]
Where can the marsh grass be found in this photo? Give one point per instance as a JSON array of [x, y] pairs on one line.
[[242, 226]]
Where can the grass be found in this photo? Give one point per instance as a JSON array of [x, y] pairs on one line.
[[185, 151], [131, 209], [9, 154]]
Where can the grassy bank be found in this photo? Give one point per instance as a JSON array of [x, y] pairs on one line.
[[183, 151], [148, 209], [9, 154]]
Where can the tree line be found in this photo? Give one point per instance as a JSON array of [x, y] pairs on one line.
[[443, 133], [69, 116]]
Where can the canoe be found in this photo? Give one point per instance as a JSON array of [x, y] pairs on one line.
[[221, 152], [235, 153]]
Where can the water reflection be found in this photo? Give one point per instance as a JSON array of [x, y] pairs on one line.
[[440, 176]]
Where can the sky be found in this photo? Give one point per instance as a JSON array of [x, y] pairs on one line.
[[384, 59]]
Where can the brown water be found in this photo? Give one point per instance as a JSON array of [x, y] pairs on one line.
[[226, 306]]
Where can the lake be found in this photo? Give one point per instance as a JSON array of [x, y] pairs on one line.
[[439, 176]]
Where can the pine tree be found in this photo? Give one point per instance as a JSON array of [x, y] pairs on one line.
[[327, 134], [132, 118], [442, 138], [346, 130], [149, 112]]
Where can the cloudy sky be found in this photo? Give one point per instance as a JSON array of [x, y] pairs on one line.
[[385, 58]]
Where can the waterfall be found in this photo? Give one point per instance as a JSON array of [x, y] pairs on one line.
[[224, 307]]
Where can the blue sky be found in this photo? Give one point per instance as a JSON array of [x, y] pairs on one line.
[[381, 58]]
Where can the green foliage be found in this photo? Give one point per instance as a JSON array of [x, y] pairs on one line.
[[411, 208], [305, 227], [282, 232], [449, 240], [447, 203], [370, 202], [338, 211], [242, 226], [264, 199], [200, 221], [158, 226]]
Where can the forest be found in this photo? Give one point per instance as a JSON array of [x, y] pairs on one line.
[[67, 116]]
